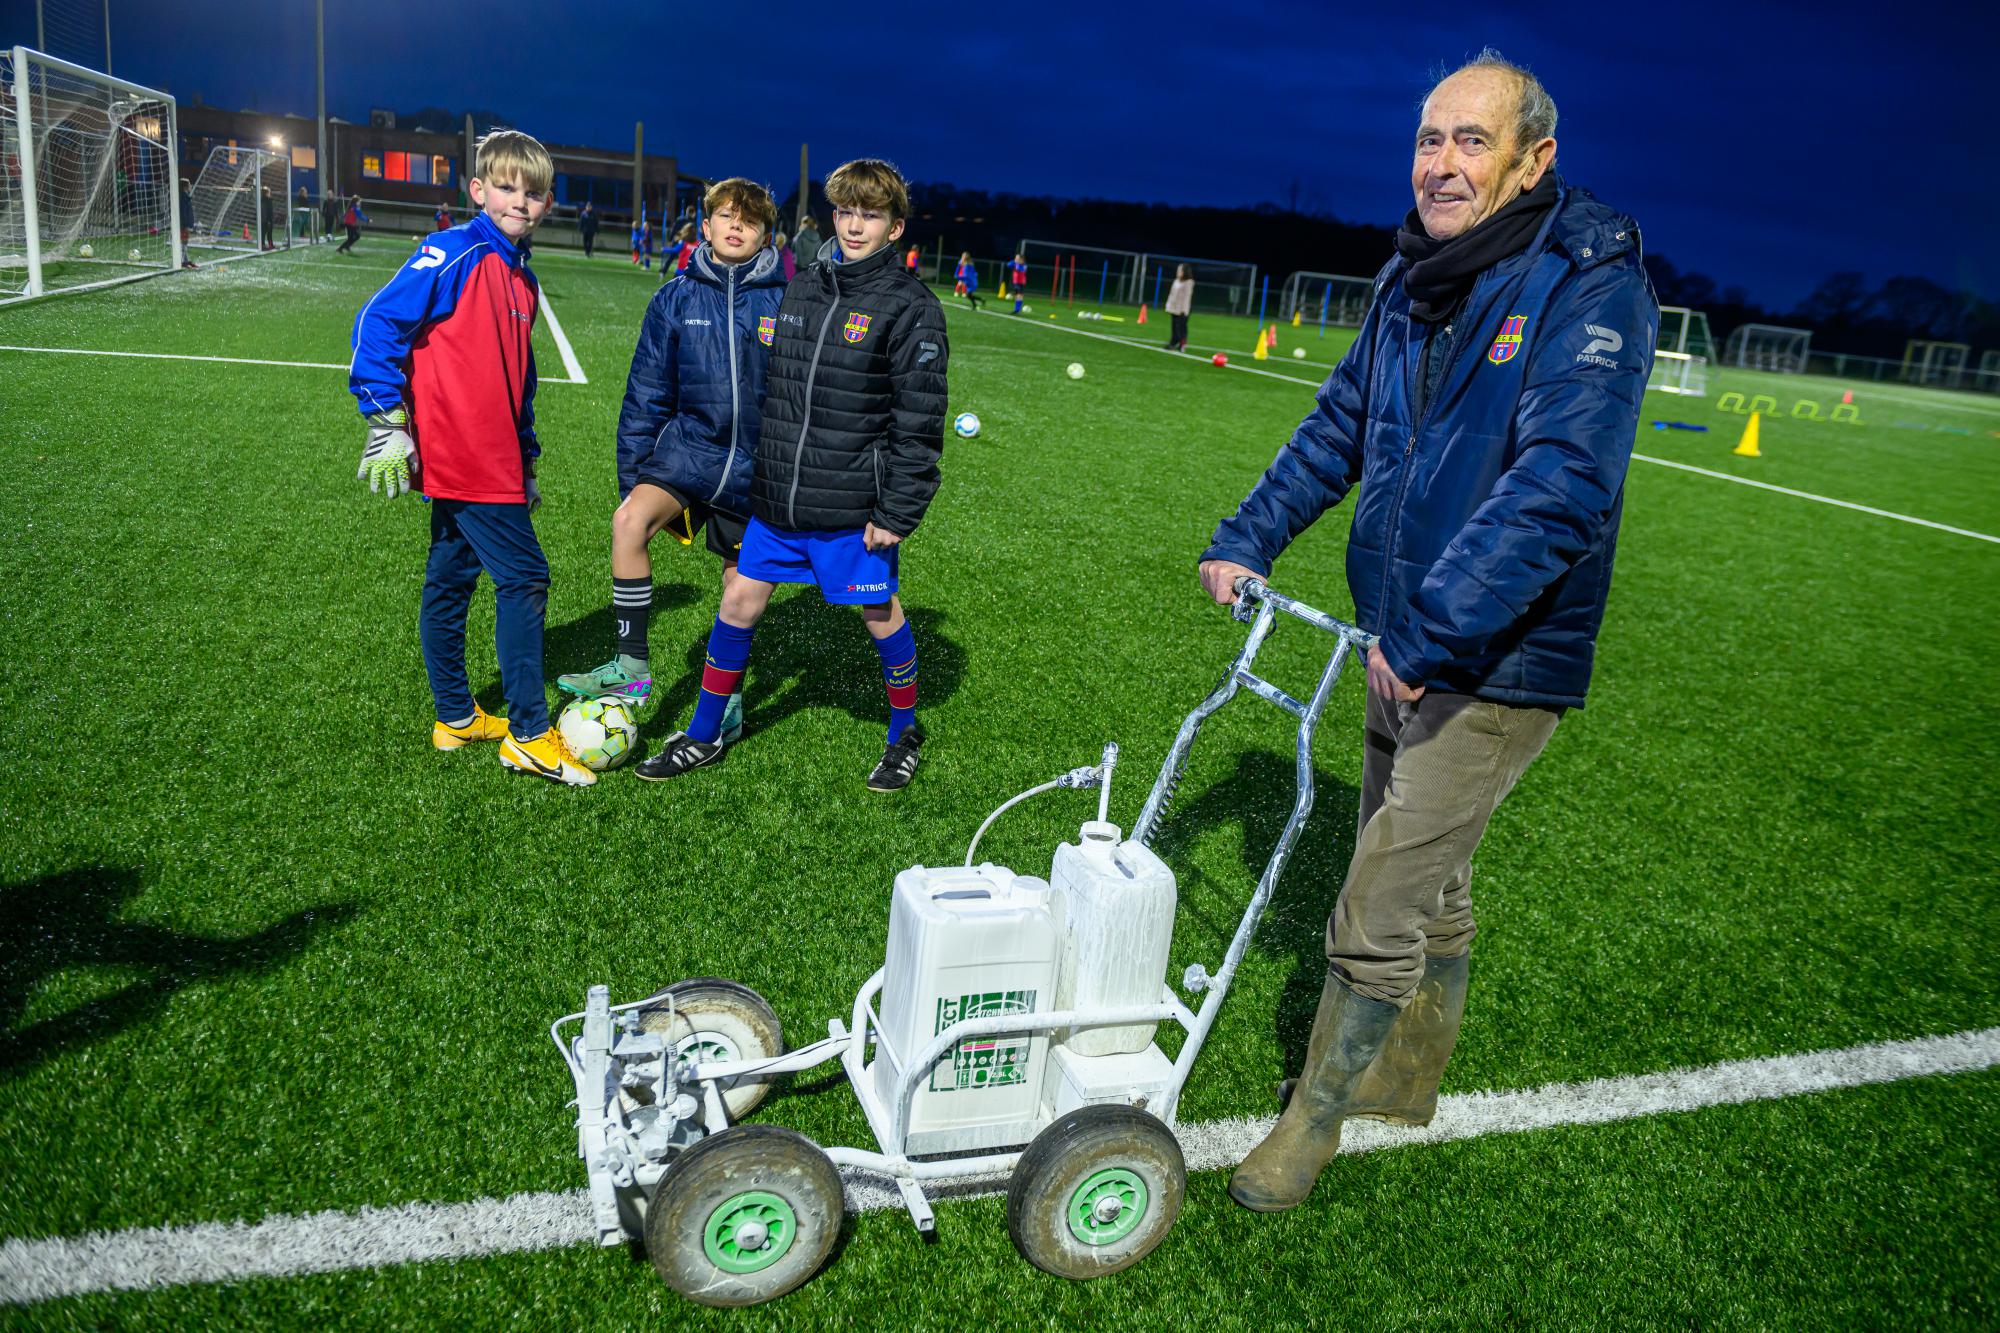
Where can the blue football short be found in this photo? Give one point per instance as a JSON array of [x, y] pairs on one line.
[[847, 572]]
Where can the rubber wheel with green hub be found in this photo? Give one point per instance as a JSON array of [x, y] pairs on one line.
[[744, 1216], [1096, 1191], [714, 1019]]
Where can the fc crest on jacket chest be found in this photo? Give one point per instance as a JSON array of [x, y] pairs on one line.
[[1509, 341], [856, 327]]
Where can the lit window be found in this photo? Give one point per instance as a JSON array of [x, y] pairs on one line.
[[397, 167], [304, 158], [371, 165], [420, 169], [440, 170]]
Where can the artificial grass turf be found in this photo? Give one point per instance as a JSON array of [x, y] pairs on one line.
[[1769, 1215], [267, 952]]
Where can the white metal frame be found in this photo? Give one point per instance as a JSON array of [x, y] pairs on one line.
[[1298, 294], [1737, 352], [626, 1158], [25, 136]]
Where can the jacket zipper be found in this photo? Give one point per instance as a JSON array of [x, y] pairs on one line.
[[1409, 449], [805, 417], [735, 405]]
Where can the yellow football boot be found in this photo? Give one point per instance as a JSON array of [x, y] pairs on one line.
[[546, 756], [483, 727]]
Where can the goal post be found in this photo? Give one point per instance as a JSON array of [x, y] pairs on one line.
[[1927, 361], [88, 172], [1768, 347], [240, 201], [1332, 298]]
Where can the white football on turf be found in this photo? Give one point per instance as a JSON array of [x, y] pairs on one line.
[[1299, 352], [134, 255], [1076, 370], [602, 732], [966, 424], [85, 251]]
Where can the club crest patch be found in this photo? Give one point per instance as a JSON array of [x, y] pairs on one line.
[[856, 328], [1509, 341], [767, 329]]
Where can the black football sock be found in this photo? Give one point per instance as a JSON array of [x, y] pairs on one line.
[[632, 605]]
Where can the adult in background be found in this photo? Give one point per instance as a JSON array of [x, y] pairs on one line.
[[807, 244], [187, 220], [1487, 408], [1180, 301], [786, 256], [586, 227]]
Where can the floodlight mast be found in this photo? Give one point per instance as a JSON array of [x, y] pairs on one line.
[[319, 51]]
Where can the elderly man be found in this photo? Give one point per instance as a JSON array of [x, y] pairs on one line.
[[1487, 409]]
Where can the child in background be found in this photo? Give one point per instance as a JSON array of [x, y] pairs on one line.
[[847, 462], [443, 355], [642, 239], [968, 279], [1180, 300], [351, 218], [1017, 278], [442, 218]]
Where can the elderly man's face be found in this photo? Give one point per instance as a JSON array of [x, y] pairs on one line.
[[1466, 167]]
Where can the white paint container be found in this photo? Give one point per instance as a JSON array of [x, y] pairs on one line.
[[1115, 902], [967, 942]]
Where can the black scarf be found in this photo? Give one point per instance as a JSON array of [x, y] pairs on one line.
[[1442, 272]]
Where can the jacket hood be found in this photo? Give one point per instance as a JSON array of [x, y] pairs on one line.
[[1589, 231], [763, 269]]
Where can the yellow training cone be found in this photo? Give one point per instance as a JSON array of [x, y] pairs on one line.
[[1260, 352], [1747, 446], [1295, 319]]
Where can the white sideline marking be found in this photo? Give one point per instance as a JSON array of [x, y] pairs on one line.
[[1822, 499], [571, 366], [1644, 458], [328, 1242], [179, 356]]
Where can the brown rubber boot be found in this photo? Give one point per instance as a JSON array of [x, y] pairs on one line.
[[1347, 1034], [1401, 1087]]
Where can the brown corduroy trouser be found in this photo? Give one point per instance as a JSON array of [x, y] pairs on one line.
[[1432, 774]]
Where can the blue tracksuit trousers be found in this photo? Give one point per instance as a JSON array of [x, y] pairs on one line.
[[466, 538]]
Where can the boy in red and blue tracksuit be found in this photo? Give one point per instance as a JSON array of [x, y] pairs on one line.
[[443, 360], [1017, 276]]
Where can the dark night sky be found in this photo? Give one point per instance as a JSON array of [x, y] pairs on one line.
[[1765, 144]]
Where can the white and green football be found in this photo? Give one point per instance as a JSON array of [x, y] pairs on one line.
[[601, 732]]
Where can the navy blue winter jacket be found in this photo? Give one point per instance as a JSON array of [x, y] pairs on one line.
[[694, 395], [1482, 539]]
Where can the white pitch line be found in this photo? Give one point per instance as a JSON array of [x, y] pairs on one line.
[[225, 360], [1822, 499], [328, 1242], [179, 356], [571, 366], [1644, 458]]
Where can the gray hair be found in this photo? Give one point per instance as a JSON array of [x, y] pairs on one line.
[[1534, 115]]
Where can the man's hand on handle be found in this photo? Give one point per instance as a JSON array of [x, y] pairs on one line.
[[1219, 578]]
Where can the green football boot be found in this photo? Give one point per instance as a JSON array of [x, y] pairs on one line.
[[627, 678]]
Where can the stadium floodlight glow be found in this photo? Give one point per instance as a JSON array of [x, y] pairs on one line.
[[277, 142], [87, 198]]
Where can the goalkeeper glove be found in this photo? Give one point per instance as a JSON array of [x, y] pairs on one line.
[[391, 455]]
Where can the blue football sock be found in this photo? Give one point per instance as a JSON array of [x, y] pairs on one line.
[[899, 673], [721, 676]]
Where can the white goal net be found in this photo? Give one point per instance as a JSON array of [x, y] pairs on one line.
[[1326, 298], [1681, 360], [87, 193], [1768, 347], [240, 201]]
